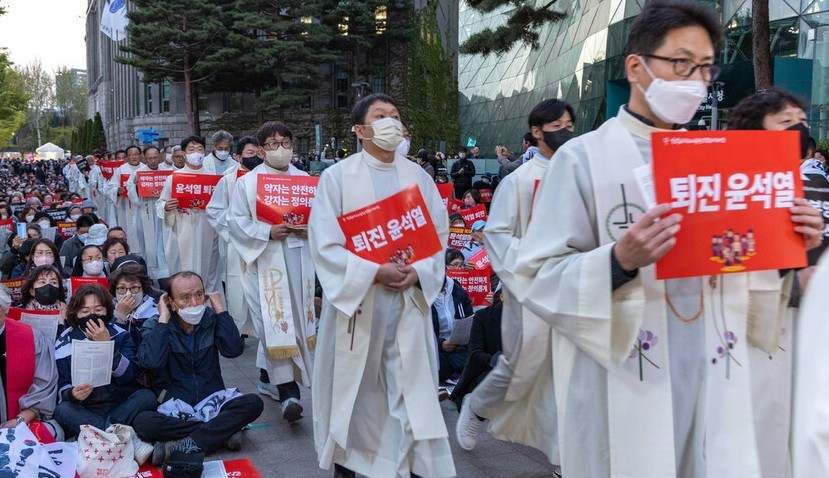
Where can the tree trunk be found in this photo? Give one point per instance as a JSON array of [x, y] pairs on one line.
[[188, 97], [37, 127], [196, 111], [761, 44]]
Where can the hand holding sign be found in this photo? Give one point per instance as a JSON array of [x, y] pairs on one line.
[[648, 239], [809, 222]]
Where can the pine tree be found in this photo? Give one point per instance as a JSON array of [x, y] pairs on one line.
[[88, 129], [179, 40], [524, 20], [99, 138]]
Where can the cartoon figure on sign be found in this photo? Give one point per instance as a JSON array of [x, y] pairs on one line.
[[732, 249], [197, 204], [403, 256], [751, 244], [293, 218]]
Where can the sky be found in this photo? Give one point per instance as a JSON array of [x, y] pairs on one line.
[[52, 30]]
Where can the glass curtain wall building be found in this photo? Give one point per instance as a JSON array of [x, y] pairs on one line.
[[581, 61]]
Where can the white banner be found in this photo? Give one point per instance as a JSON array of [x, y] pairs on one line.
[[114, 20]]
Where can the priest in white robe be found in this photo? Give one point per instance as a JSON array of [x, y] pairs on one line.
[[217, 213], [652, 378], [190, 243], [276, 255], [74, 177], [125, 214], [96, 187], [517, 395], [150, 237], [376, 411]]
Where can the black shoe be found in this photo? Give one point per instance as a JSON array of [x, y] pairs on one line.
[[234, 443], [443, 393], [291, 410], [343, 472]]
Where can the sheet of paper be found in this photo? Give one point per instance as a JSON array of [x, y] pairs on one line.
[[461, 331], [48, 324], [92, 362], [644, 178], [214, 469]]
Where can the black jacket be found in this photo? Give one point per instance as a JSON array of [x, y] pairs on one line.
[[484, 348], [462, 307], [188, 364], [463, 180]]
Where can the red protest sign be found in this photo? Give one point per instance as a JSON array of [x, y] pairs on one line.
[[283, 198], [480, 260], [475, 282], [446, 192], [15, 287], [124, 179], [67, 229], [486, 195], [241, 172], [397, 229], [15, 313], [108, 168], [459, 237], [193, 191], [76, 282], [735, 207], [475, 213], [150, 183], [7, 224]]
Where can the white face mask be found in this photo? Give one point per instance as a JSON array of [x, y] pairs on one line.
[[462, 155], [279, 159], [74, 217], [195, 159], [93, 268], [674, 102], [44, 260], [403, 147], [169, 158], [388, 134], [222, 155], [44, 224], [192, 315], [30, 218], [139, 297]]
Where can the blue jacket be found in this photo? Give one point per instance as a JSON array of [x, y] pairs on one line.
[[124, 370], [188, 364]]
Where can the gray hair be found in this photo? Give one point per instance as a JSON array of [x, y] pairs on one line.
[[5, 298], [221, 135], [175, 149]]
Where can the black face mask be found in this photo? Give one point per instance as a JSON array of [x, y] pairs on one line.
[[47, 294], [251, 162], [804, 137], [93, 318], [554, 139]]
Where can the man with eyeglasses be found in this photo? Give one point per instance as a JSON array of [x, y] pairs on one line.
[[279, 279], [190, 243], [125, 213], [640, 365], [183, 345]]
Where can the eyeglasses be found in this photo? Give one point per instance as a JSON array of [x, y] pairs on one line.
[[134, 289], [684, 67], [273, 144]]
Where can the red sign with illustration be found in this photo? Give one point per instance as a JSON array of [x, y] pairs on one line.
[[735, 207], [15, 287], [397, 229], [7, 224], [108, 168], [475, 282], [459, 237], [472, 214], [66, 229], [193, 191], [447, 192], [150, 183], [76, 282], [283, 198]]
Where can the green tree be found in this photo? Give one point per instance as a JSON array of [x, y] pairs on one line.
[[523, 25], [99, 138], [13, 100], [179, 40], [70, 96], [40, 88]]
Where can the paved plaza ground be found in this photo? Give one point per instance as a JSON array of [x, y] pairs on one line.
[[280, 450]]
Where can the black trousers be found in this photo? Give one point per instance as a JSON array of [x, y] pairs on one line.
[[153, 426]]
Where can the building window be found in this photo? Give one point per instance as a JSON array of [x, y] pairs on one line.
[[343, 86], [378, 85], [203, 103], [165, 96], [233, 102], [148, 99], [380, 19]]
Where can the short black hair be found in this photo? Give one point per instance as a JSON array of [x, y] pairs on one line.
[[120, 151], [193, 139], [548, 111], [151, 147], [85, 221], [132, 147], [531, 139], [168, 286], [463, 149], [271, 128], [660, 17], [244, 141], [750, 111], [358, 114], [452, 254]]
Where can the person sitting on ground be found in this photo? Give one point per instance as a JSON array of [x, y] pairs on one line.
[[30, 380], [89, 316], [457, 221], [19, 250], [135, 265], [43, 252], [89, 263], [477, 243], [451, 304], [46, 223], [471, 198], [133, 303], [115, 247], [117, 232], [183, 345], [72, 246]]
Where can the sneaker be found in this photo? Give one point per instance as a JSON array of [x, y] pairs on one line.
[[443, 393], [159, 453], [468, 426], [234, 443], [291, 410], [268, 389], [142, 450]]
